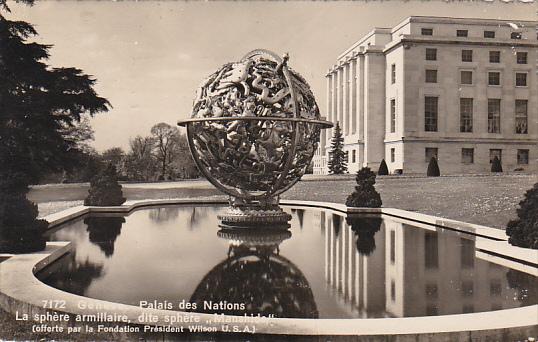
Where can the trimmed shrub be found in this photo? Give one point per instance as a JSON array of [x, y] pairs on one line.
[[105, 189], [365, 194], [20, 229], [523, 231], [433, 168], [383, 169], [496, 165]]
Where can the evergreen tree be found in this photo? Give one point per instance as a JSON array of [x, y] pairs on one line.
[[365, 194], [383, 169], [337, 156], [39, 105], [433, 168], [523, 231], [496, 165], [105, 189]]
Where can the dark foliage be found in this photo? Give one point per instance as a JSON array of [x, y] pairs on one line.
[[365, 229], [433, 168], [496, 165], [20, 230], [383, 169], [523, 231], [39, 105], [105, 189], [337, 156], [365, 194]]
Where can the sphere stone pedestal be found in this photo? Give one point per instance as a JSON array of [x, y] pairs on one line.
[[253, 132], [270, 217]]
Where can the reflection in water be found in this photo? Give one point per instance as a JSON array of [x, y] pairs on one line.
[[335, 267], [365, 229], [81, 274], [256, 275], [527, 290], [161, 215], [300, 216], [103, 232], [422, 272]]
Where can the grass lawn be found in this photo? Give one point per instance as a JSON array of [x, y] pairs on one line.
[[488, 200]]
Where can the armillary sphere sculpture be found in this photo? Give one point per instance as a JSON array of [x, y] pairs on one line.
[[253, 132]]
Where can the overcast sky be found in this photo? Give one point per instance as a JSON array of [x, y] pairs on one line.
[[149, 56]]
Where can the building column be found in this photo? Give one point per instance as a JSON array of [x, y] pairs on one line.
[[360, 107], [339, 96], [353, 95], [345, 100], [334, 111]]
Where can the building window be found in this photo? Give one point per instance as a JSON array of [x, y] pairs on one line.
[[466, 115], [392, 247], [494, 78], [495, 288], [494, 56], [521, 116], [392, 155], [429, 153], [466, 77], [430, 113], [432, 291], [467, 288], [489, 34], [495, 152], [521, 58], [431, 251], [494, 115], [393, 115], [467, 253], [466, 55], [521, 79], [426, 32], [431, 76], [353, 156], [467, 155], [393, 73], [515, 35], [431, 54], [462, 33], [392, 290], [522, 157]]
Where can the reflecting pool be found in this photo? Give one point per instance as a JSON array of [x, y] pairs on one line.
[[326, 266]]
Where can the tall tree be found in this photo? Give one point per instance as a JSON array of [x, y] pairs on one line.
[[114, 156], [38, 106], [140, 162], [166, 138], [337, 156], [182, 165]]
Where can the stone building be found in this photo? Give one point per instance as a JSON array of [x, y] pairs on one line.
[[461, 90]]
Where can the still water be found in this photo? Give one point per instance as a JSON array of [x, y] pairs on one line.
[[326, 266]]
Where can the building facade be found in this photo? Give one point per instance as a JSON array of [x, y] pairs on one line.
[[461, 90]]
